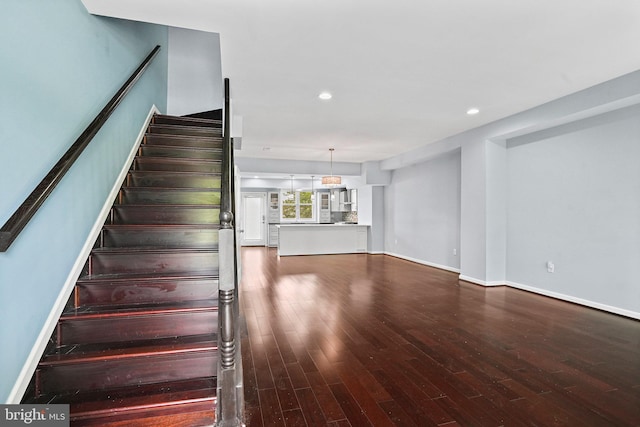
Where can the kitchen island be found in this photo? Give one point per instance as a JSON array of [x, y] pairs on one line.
[[322, 239]]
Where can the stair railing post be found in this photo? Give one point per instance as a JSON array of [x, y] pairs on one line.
[[230, 399]]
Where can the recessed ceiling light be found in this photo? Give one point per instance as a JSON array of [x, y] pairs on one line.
[[256, 177], [472, 111], [325, 96]]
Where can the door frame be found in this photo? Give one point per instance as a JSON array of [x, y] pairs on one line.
[[264, 240]]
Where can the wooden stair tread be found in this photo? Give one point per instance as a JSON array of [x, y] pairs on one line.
[[177, 159], [172, 189], [162, 207], [194, 120], [176, 173], [212, 138], [142, 227], [95, 399], [151, 404], [186, 141], [141, 310], [118, 405], [214, 150], [174, 129], [122, 277], [180, 126], [112, 351], [152, 249]]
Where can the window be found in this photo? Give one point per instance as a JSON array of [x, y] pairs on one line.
[[297, 206]]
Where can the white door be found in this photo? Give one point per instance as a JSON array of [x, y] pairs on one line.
[[253, 227]]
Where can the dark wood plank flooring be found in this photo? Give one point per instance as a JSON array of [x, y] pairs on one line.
[[372, 340]]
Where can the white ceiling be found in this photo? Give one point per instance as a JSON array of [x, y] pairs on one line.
[[402, 73]]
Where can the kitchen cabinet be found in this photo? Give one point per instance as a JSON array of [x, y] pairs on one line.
[[324, 207], [343, 200], [354, 200], [335, 200], [274, 208], [273, 235], [273, 215]]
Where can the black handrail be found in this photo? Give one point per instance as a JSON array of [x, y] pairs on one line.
[[32, 203], [226, 201]]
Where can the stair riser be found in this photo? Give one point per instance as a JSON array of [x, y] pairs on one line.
[[189, 414], [144, 196], [176, 165], [180, 404], [132, 292], [193, 263], [166, 215], [184, 130], [172, 180], [180, 153], [115, 329], [160, 237], [186, 121], [110, 374], [158, 139]]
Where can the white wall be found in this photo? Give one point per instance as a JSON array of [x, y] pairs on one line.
[[473, 232], [422, 211], [195, 81], [371, 213], [574, 199]]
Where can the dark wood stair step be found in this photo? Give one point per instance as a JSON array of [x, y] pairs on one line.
[[116, 290], [164, 236], [179, 409], [185, 121], [106, 369], [128, 324], [193, 262], [167, 179], [169, 214], [184, 130], [176, 165], [169, 151], [158, 139], [169, 196], [173, 403]]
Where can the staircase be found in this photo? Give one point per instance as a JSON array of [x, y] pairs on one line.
[[137, 343]]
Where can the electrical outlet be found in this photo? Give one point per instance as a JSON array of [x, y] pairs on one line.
[[550, 267], [455, 251]]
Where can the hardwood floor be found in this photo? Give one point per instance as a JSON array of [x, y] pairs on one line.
[[372, 340]]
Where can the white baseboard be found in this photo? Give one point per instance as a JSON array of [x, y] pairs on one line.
[[427, 263], [480, 282], [576, 300], [31, 363], [556, 295]]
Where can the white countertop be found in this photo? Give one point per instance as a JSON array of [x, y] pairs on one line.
[[315, 224]]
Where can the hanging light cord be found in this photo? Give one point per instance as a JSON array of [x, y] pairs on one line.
[[331, 151]]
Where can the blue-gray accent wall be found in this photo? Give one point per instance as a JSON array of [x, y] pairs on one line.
[[59, 65]]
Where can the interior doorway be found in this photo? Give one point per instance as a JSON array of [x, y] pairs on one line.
[[253, 227]]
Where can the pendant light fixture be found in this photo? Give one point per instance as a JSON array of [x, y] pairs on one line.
[[331, 180]]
